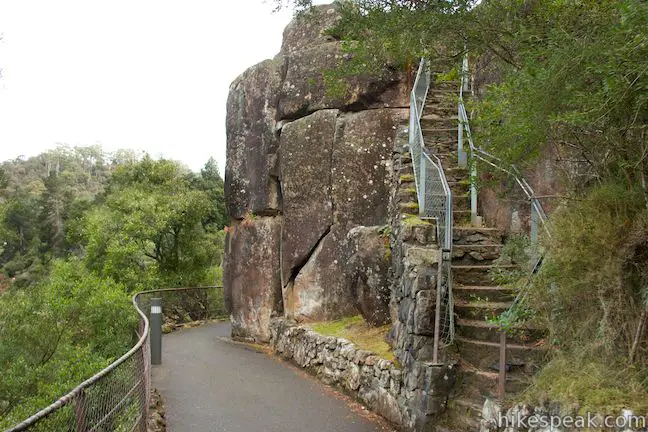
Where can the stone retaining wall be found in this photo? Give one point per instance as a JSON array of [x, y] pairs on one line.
[[377, 383]]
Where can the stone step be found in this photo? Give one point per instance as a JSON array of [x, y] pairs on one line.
[[463, 415], [461, 217], [452, 85], [463, 183], [441, 111], [463, 235], [455, 174], [466, 414], [489, 332], [477, 274], [433, 134], [480, 309], [484, 383], [490, 293], [436, 121], [406, 195], [442, 90], [467, 254], [406, 169], [447, 159], [403, 184], [441, 145], [442, 99], [461, 201], [459, 189], [484, 354]]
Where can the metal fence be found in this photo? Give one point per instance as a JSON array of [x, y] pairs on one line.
[[187, 304], [435, 202], [432, 189], [116, 398]]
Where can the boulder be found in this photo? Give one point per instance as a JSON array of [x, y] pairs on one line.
[[304, 166], [362, 164], [369, 268], [311, 29], [305, 90], [305, 175], [321, 290], [251, 276], [251, 184]]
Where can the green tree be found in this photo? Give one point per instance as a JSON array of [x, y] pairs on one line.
[[156, 223], [58, 334]]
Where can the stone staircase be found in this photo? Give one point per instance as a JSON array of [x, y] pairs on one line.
[[476, 296]]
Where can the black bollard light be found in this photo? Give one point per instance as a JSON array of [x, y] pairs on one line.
[[156, 331]]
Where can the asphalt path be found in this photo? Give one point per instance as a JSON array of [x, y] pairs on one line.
[[212, 384]]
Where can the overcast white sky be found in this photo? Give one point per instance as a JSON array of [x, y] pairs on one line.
[[143, 74]]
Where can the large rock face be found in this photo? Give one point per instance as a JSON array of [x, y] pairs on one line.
[[304, 168]]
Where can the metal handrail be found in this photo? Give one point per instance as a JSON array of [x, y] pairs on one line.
[[77, 395], [537, 211]]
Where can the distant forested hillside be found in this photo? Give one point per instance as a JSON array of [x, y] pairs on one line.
[[59, 204]]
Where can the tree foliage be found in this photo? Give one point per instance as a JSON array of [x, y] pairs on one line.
[[158, 225], [80, 230], [58, 333]]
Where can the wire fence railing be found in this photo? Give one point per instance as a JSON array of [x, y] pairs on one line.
[[187, 304], [116, 399], [435, 202]]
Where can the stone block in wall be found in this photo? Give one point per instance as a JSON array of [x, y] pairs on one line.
[[424, 312]]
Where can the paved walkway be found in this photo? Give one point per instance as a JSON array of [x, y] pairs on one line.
[[210, 384]]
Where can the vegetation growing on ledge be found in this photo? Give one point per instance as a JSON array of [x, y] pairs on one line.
[[413, 220], [356, 330]]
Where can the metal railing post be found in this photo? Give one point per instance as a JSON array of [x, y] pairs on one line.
[[462, 155], [534, 222], [501, 387], [156, 331], [144, 396], [464, 74], [437, 312], [534, 231], [473, 192], [80, 411], [422, 185]]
